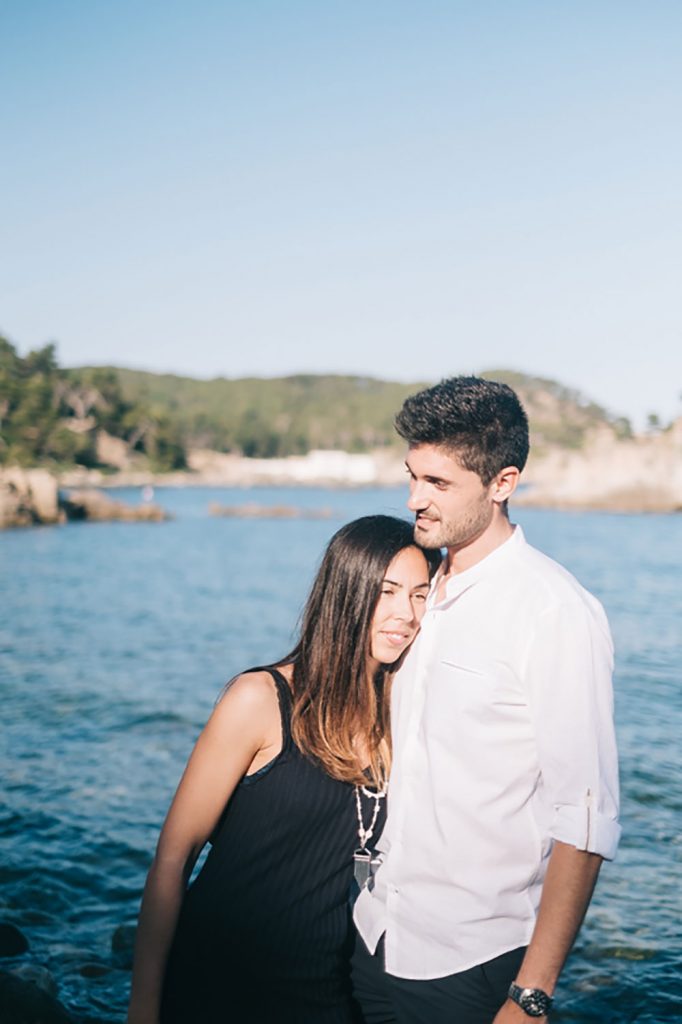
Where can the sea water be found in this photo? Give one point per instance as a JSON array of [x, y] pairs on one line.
[[116, 638]]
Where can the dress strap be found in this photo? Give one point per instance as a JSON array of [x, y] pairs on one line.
[[285, 705]]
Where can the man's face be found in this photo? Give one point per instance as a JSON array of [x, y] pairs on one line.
[[452, 507]]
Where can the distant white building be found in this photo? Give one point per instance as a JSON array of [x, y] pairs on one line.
[[319, 465]]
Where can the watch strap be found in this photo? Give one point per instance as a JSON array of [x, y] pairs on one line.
[[533, 1001]]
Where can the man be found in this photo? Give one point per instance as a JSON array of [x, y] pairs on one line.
[[504, 786]]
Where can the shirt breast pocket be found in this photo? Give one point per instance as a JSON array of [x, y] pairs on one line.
[[475, 688], [462, 687]]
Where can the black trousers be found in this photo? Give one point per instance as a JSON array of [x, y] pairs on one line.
[[469, 997]]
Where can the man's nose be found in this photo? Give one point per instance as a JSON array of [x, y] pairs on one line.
[[417, 499]]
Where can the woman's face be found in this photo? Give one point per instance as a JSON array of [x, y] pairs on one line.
[[400, 607]]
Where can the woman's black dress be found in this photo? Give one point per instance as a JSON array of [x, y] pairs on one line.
[[264, 933]]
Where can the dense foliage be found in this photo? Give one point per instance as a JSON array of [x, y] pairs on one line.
[[265, 418], [49, 414], [291, 415]]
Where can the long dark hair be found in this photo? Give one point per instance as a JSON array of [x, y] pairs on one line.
[[334, 701]]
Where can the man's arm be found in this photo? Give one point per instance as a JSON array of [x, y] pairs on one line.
[[566, 893]]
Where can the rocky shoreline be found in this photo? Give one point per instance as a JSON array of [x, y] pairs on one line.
[[29, 992], [32, 497], [635, 475]]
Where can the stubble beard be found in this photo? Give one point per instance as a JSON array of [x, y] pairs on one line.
[[457, 533]]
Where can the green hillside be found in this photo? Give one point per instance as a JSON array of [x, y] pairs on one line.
[[290, 415], [49, 414], [274, 417]]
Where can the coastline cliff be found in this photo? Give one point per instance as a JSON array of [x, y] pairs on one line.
[[608, 473], [637, 474]]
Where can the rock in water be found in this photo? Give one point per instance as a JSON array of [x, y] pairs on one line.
[[92, 969], [12, 941], [123, 944], [22, 1002], [28, 497], [39, 975], [98, 507]]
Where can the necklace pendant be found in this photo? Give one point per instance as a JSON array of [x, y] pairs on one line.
[[362, 860]]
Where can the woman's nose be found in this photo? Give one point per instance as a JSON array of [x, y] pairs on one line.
[[404, 609]]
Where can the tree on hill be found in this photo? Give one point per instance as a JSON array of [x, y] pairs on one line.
[[50, 415]]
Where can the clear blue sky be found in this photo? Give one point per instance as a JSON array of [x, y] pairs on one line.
[[406, 190]]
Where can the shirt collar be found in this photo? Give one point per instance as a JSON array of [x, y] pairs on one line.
[[461, 581]]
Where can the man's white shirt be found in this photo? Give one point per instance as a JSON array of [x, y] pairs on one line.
[[503, 740]]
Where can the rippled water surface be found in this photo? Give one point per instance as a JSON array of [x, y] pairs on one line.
[[116, 638]]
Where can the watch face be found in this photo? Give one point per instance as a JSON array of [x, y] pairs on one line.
[[534, 1002]]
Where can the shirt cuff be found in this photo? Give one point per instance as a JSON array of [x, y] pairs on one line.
[[586, 829]]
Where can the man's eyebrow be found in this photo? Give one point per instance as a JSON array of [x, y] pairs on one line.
[[427, 476]]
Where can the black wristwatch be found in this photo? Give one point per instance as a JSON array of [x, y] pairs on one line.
[[532, 1001]]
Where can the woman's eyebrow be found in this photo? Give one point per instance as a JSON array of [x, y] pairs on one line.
[[420, 586]]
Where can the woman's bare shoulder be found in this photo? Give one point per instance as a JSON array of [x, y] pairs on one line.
[[249, 691]]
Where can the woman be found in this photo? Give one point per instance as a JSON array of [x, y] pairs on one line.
[[279, 783]]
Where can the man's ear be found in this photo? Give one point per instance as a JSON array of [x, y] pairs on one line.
[[504, 484]]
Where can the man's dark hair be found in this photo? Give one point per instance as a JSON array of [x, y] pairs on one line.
[[481, 421]]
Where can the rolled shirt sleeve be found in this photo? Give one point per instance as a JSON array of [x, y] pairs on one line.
[[568, 674]]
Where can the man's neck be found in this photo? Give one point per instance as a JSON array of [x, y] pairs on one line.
[[465, 556]]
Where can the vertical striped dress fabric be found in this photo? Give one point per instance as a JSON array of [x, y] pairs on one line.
[[265, 931]]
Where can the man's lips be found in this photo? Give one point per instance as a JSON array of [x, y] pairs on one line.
[[422, 518]]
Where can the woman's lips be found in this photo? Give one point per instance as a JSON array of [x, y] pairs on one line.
[[396, 638]]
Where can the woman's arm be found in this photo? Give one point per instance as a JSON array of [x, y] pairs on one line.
[[244, 727]]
